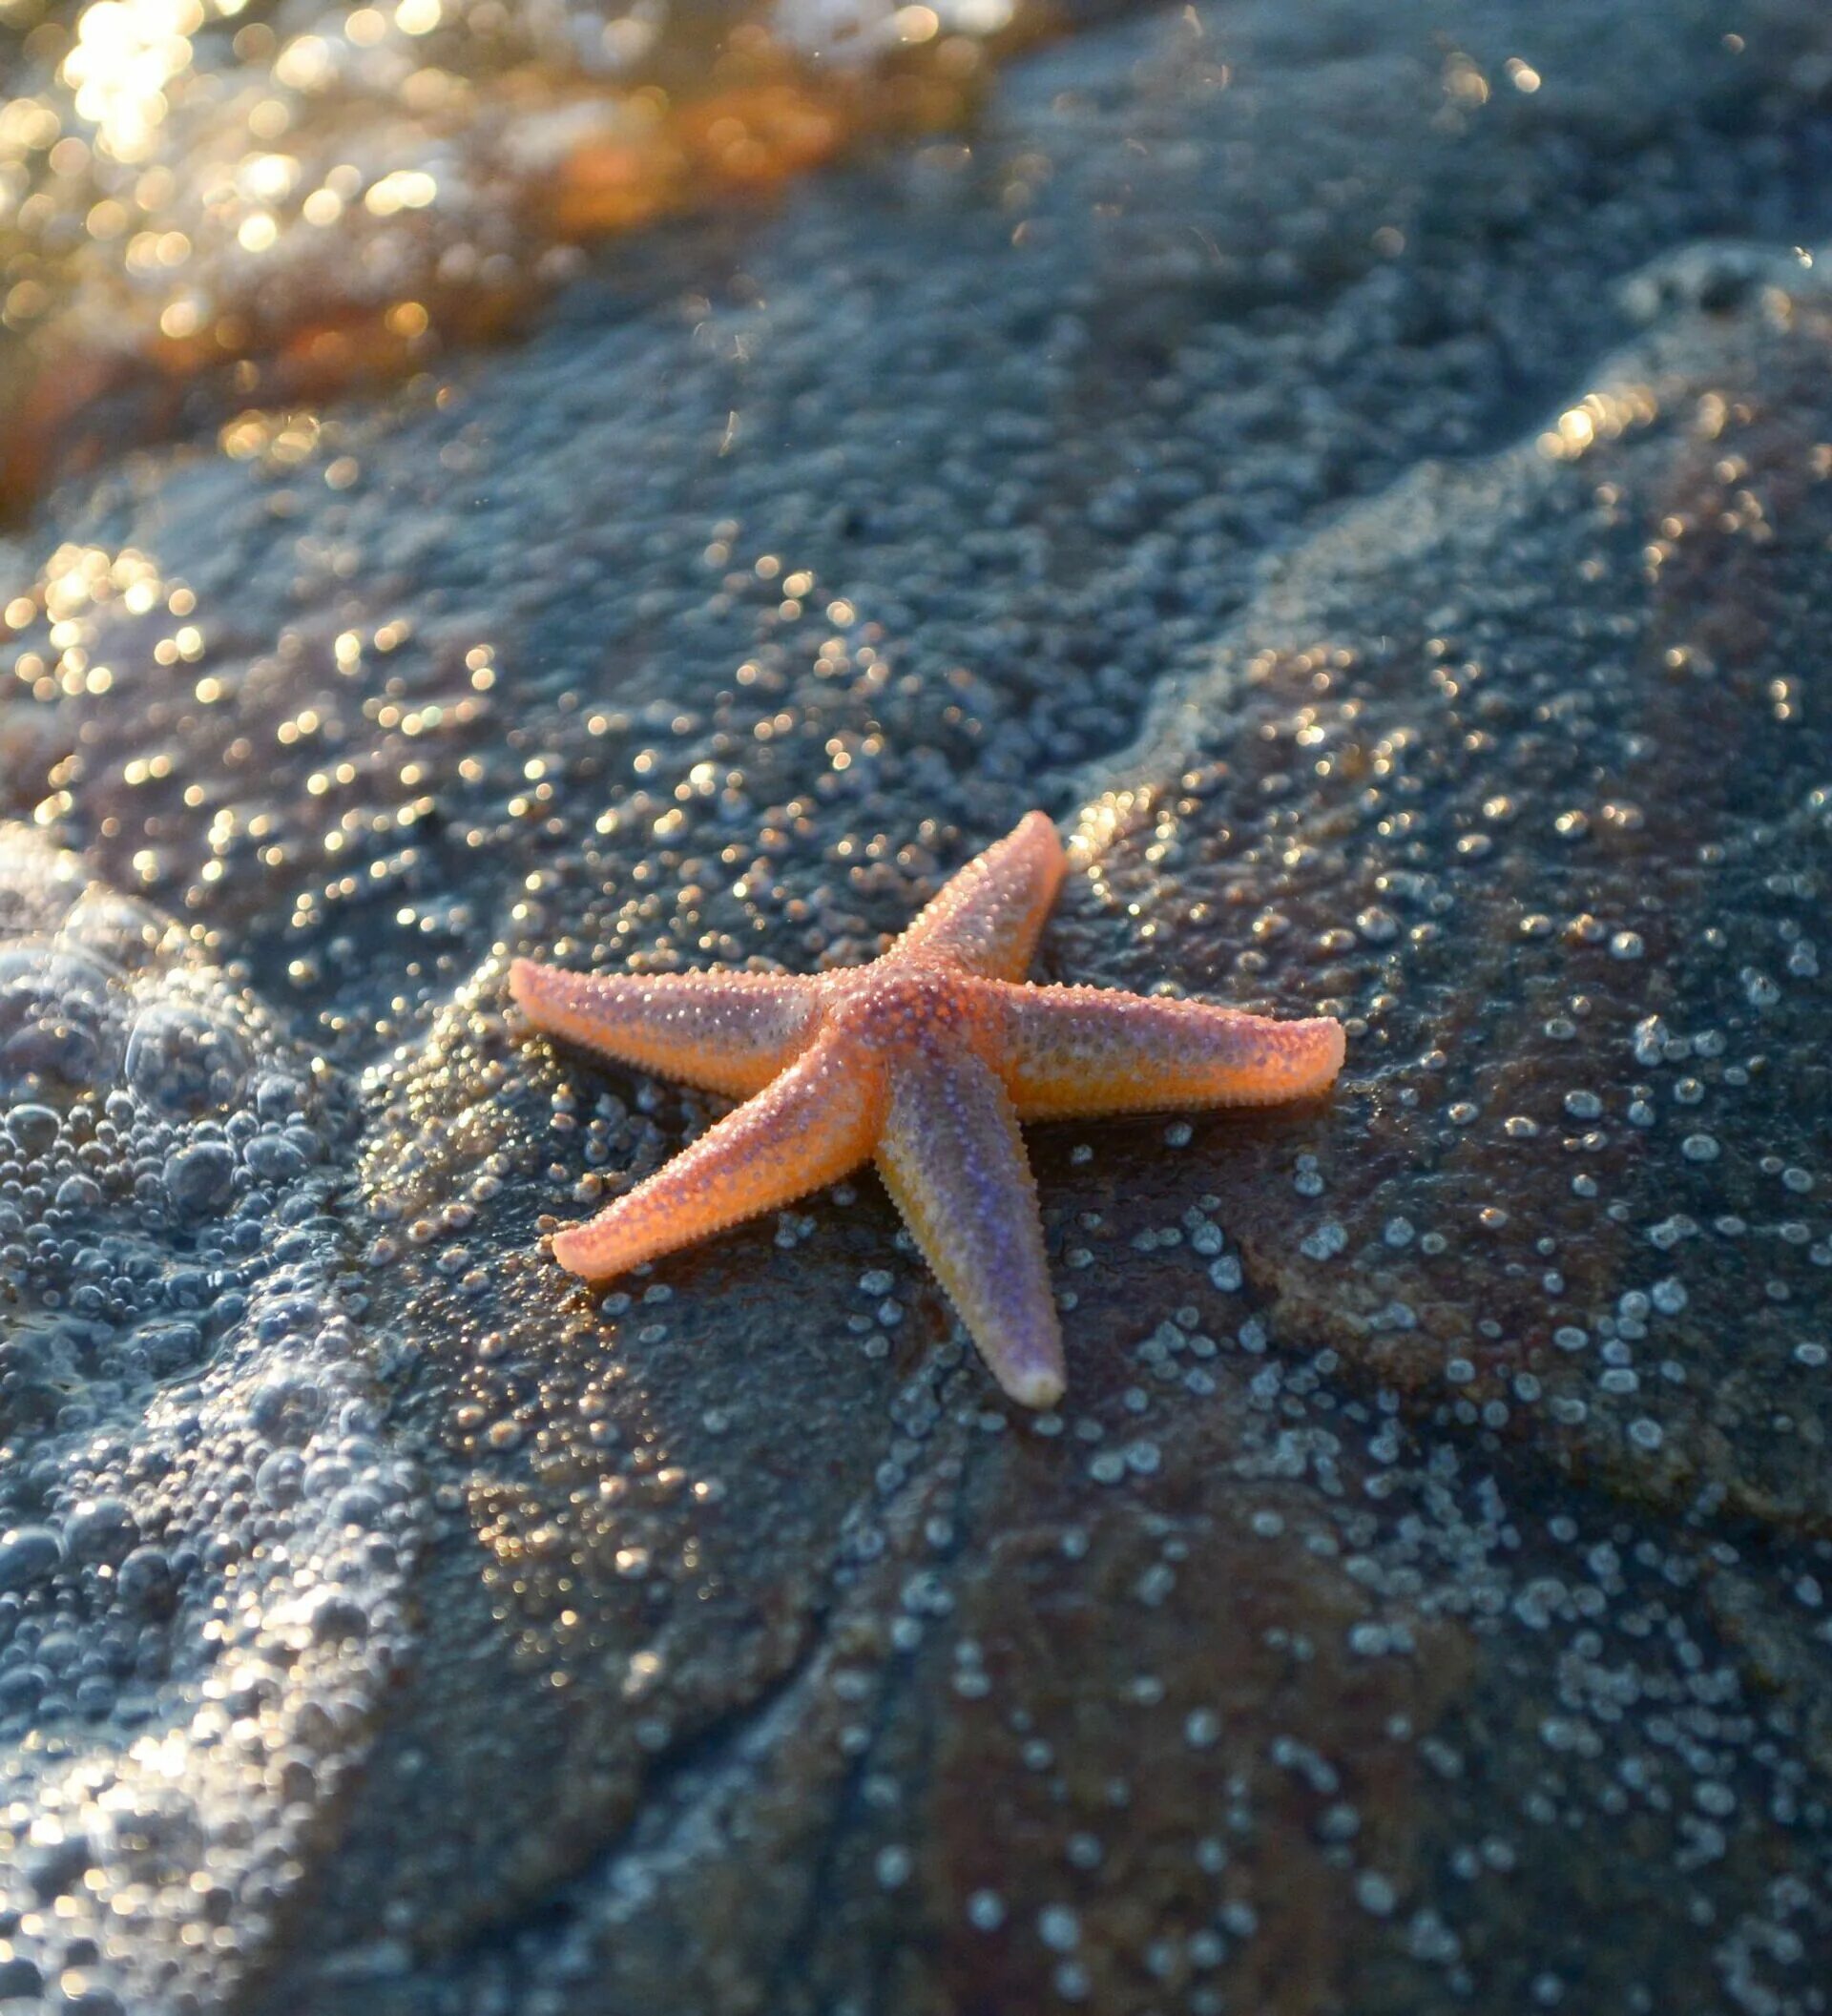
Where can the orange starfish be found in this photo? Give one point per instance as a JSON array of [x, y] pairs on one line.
[[926, 1061]]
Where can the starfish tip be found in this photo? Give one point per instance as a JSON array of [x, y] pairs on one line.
[[1333, 1048], [1037, 832], [573, 1250], [1039, 1389]]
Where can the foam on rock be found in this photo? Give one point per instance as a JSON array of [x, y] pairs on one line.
[[203, 1531]]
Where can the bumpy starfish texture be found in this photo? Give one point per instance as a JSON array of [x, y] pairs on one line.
[[924, 1061]]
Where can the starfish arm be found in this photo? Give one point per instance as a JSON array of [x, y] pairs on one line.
[[729, 1033], [814, 1125], [987, 917], [1078, 1051], [952, 1160]]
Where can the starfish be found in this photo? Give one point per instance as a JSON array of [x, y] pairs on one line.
[[925, 1060]]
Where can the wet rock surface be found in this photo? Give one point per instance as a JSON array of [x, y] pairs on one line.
[[1562, 853], [1421, 1600]]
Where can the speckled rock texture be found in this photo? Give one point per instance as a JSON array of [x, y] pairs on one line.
[[1368, 472]]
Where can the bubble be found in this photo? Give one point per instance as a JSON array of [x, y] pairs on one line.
[[1059, 1927], [82, 1997], [287, 1408], [146, 1583], [336, 1615], [275, 1159], [29, 1554], [100, 1529], [21, 1690], [279, 1480], [168, 1348], [114, 928], [184, 1062], [276, 1094], [97, 1694], [199, 1176], [1650, 1038], [32, 1127], [1375, 1894], [57, 1023]]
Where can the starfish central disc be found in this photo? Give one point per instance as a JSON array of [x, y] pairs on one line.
[[891, 1010], [926, 1062]]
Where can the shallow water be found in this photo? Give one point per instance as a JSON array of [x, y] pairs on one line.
[[206, 204], [1367, 474]]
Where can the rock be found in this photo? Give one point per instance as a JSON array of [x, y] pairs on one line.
[[1589, 807], [1419, 1602]]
